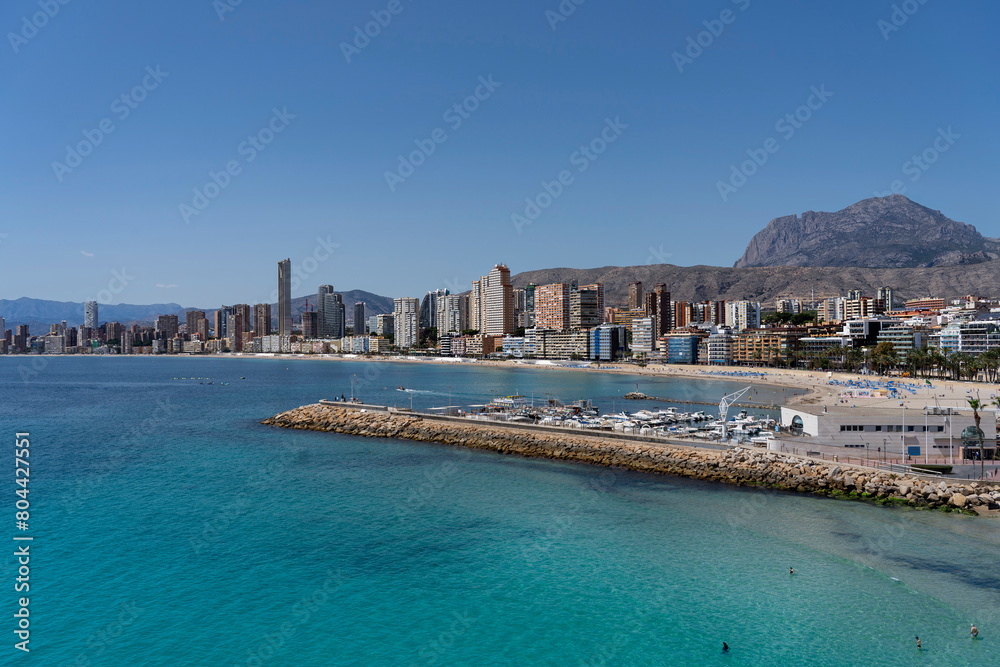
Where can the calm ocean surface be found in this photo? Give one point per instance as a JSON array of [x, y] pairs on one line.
[[172, 529]]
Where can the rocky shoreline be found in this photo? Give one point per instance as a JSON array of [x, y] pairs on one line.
[[740, 466]]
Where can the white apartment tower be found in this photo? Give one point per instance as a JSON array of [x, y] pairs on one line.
[[406, 321]]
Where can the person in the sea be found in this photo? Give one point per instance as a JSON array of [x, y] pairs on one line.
[[725, 647], [791, 571], [975, 631], [918, 644]]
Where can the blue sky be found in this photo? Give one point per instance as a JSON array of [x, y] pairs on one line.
[[555, 86]]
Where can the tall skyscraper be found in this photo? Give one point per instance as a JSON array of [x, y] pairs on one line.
[[359, 319], [499, 302], [429, 308], [222, 322], [635, 295], [243, 310], [321, 293], [552, 306], [657, 306], [90, 315], [196, 324], [262, 319], [406, 321], [451, 314], [332, 321], [285, 297], [586, 306]]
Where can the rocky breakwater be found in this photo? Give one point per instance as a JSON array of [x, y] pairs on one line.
[[732, 466]]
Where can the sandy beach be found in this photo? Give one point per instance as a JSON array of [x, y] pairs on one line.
[[820, 387]]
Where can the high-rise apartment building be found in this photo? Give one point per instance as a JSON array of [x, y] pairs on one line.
[[262, 319], [406, 321], [586, 306], [552, 306], [359, 319], [657, 305], [222, 322], [284, 297], [166, 327], [243, 310], [429, 308], [90, 319], [742, 315], [451, 314], [885, 296], [195, 322], [635, 295]]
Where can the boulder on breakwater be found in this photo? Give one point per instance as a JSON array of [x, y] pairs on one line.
[[738, 465]]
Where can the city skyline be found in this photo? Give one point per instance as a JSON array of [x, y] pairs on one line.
[[656, 106]]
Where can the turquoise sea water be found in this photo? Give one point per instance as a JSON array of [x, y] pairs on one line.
[[172, 529]]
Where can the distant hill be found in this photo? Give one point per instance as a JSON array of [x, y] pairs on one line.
[[882, 232], [700, 283], [38, 314]]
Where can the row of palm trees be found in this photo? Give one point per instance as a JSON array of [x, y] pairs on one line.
[[923, 362]]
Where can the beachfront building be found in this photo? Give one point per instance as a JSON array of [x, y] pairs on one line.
[[769, 346], [643, 341], [720, 346], [90, 319], [551, 344], [513, 346], [284, 301], [406, 321], [903, 339], [607, 342], [910, 431], [682, 348]]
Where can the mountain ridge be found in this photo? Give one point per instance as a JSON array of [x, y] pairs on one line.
[[880, 232]]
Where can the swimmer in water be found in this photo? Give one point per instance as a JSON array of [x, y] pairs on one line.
[[918, 644], [975, 631], [791, 571], [725, 647]]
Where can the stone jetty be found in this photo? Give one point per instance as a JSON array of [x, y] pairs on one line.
[[740, 466]]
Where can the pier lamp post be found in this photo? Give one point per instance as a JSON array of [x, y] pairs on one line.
[[868, 449]]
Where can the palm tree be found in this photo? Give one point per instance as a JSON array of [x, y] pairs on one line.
[[976, 406]]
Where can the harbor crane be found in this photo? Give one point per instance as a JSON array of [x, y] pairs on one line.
[[724, 404]]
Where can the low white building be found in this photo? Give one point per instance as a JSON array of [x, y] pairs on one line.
[[898, 429]]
